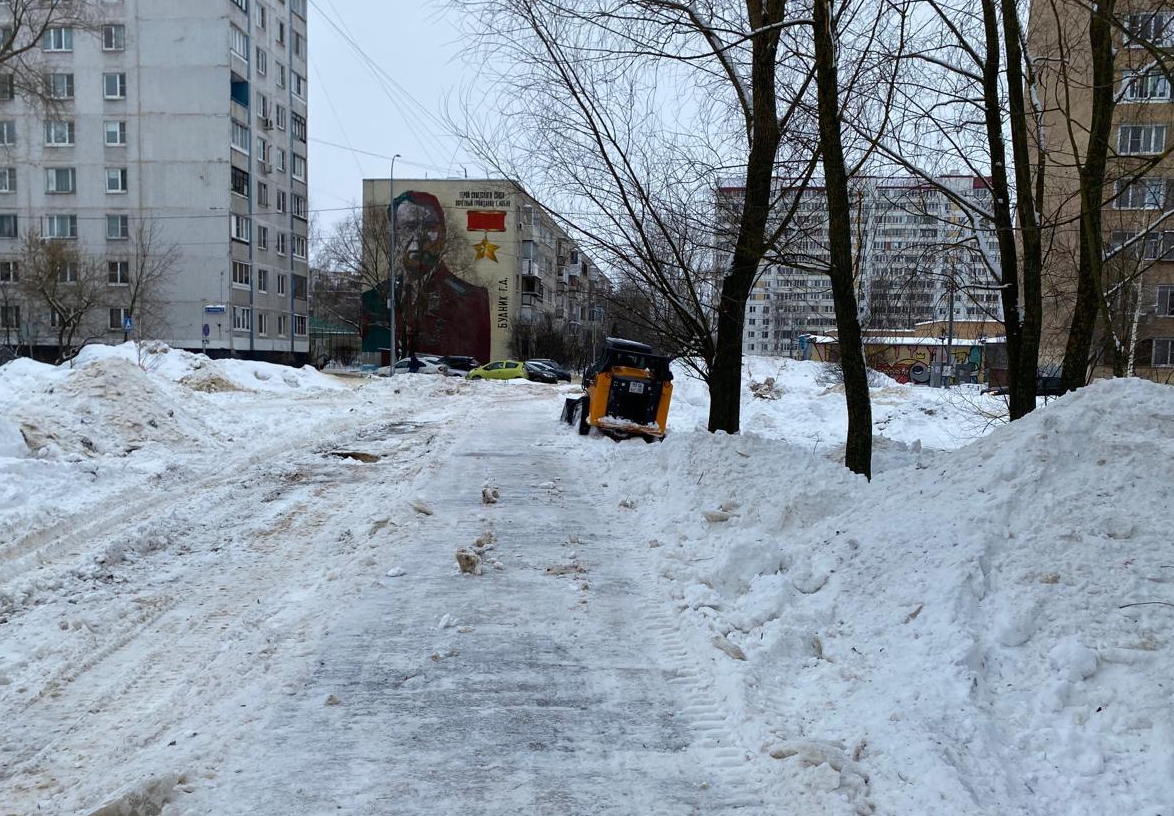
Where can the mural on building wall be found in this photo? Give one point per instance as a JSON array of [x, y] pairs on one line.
[[910, 362], [440, 311]]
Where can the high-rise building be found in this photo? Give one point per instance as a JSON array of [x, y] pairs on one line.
[[1138, 199], [174, 130], [918, 257]]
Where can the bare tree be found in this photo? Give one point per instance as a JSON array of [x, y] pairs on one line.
[[67, 288], [597, 95], [142, 277]]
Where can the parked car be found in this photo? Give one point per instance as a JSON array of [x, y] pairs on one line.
[[558, 370], [431, 363], [458, 366], [499, 370], [540, 373]]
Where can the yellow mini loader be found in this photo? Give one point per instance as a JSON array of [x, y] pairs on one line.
[[628, 392]]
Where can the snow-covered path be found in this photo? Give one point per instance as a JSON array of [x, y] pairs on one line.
[[546, 691]]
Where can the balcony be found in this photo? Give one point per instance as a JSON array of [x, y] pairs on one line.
[[531, 300]]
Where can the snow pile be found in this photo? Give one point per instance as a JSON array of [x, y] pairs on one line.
[[961, 635], [205, 374], [806, 406]]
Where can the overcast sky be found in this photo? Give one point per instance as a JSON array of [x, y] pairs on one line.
[[415, 54]]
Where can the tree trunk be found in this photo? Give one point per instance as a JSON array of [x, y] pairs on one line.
[[725, 382], [1090, 285], [858, 447]]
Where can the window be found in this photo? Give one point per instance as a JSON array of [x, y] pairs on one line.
[[9, 272], [1143, 194], [59, 134], [282, 246], [299, 206], [1166, 301], [1143, 86], [260, 15], [7, 87], [281, 32], [299, 246], [299, 7], [262, 323], [280, 75], [10, 317], [115, 133], [60, 226], [262, 108], [60, 180], [113, 38], [299, 84], [116, 181], [262, 153], [243, 5], [299, 167], [281, 117], [238, 43], [282, 325], [67, 272], [114, 86], [1163, 351], [7, 225], [298, 124], [7, 179], [118, 273], [1151, 246], [299, 325], [240, 228], [240, 182], [7, 133], [299, 44], [1156, 27], [240, 137], [262, 61], [262, 194], [118, 318], [59, 86], [1134, 140], [262, 237], [262, 280], [279, 152], [299, 286], [242, 318], [281, 289], [281, 201], [117, 227], [57, 39], [242, 274]]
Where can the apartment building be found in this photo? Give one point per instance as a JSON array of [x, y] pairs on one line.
[[187, 118], [484, 270], [1139, 198], [919, 255]]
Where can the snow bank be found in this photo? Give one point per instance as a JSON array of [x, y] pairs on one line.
[[953, 637], [808, 407], [199, 370]]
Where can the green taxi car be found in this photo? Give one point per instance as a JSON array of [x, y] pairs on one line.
[[499, 370]]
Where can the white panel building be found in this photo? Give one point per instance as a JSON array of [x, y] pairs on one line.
[[189, 116]]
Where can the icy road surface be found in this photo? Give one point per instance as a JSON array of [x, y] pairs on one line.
[[303, 642]]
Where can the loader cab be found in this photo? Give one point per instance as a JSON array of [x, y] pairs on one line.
[[628, 390]]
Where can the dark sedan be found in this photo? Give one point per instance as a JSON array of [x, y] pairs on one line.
[[558, 370], [536, 372]]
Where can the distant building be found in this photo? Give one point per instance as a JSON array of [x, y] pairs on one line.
[[189, 115], [918, 258], [484, 270]]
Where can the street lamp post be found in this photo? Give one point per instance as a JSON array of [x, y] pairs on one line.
[[391, 266]]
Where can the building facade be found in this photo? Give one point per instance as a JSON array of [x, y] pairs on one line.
[[185, 120], [485, 271], [1138, 202], [919, 257]]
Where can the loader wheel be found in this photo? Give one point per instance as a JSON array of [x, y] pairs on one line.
[[582, 413]]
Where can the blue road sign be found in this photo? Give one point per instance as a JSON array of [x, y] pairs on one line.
[[128, 324]]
